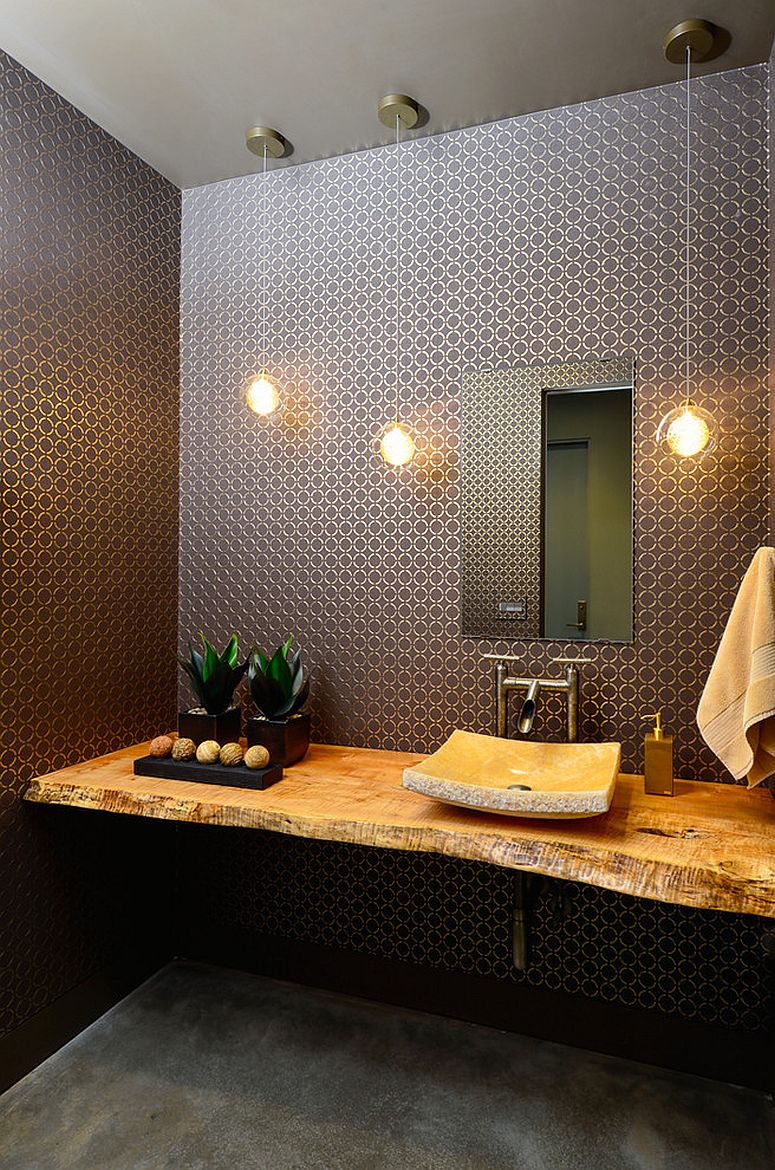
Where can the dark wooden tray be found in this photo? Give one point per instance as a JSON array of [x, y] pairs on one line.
[[237, 777]]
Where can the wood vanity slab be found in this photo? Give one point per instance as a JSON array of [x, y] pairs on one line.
[[709, 846]]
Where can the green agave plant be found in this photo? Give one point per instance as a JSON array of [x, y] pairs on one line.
[[279, 685], [214, 677]]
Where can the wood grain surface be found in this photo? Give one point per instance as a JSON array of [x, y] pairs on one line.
[[711, 845]]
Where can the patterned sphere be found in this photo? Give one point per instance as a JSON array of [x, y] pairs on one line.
[[208, 752], [231, 754], [183, 749]]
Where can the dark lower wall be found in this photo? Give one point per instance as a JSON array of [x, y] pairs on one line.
[[89, 369], [548, 238], [443, 914]]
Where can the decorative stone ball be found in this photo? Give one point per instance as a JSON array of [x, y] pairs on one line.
[[208, 752], [231, 754], [256, 756], [183, 749], [160, 747]]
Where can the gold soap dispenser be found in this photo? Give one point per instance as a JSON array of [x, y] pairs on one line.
[[658, 759]]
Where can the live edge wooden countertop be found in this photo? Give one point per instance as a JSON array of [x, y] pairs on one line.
[[711, 845]]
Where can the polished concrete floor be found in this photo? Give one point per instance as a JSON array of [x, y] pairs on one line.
[[203, 1068]]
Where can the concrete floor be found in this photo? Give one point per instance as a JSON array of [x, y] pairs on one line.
[[203, 1068]]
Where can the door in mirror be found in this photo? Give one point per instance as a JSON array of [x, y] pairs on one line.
[[587, 516]]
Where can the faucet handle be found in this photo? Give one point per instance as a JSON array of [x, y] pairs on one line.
[[502, 657], [574, 661]]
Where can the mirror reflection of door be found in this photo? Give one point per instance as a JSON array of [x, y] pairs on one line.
[[566, 538], [587, 577]]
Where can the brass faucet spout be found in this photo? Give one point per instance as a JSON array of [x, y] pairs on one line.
[[528, 711]]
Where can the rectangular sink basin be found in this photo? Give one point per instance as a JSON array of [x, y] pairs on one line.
[[519, 778]]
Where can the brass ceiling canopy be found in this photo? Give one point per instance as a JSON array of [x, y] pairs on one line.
[[398, 105], [259, 137], [705, 40]]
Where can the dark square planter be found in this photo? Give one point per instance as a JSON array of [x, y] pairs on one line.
[[286, 740], [223, 728]]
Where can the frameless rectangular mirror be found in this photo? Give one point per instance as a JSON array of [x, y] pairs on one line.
[[546, 502]]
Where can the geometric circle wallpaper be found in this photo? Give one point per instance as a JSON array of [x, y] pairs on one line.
[[553, 237], [550, 238], [89, 322]]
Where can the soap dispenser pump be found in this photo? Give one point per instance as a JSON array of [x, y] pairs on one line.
[[658, 759]]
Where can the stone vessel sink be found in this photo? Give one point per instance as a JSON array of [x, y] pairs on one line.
[[519, 778]]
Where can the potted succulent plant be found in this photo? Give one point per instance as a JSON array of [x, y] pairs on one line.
[[214, 678], [279, 686]]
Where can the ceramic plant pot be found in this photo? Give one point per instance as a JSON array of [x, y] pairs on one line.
[[199, 726], [286, 740]]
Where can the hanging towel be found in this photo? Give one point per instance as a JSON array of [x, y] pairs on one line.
[[736, 715]]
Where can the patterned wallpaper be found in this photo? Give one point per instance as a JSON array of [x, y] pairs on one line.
[[90, 481], [553, 237], [771, 88], [546, 238]]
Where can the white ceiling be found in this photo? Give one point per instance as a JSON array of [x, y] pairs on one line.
[[179, 81]]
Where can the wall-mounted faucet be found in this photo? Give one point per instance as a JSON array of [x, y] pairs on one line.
[[504, 682]]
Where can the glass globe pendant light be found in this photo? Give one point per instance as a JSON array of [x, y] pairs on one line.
[[263, 394], [396, 445], [688, 430]]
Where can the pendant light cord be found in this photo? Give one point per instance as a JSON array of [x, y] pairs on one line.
[[687, 266], [399, 274], [264, 226]]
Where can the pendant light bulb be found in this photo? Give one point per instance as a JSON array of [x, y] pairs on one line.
[[687, 430], [263, 395], [396, 445]]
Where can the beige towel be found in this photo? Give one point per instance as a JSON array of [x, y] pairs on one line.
[[736, 715]]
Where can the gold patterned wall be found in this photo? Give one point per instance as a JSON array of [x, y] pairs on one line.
[[549, 238], [771, 78], [89, 367]]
